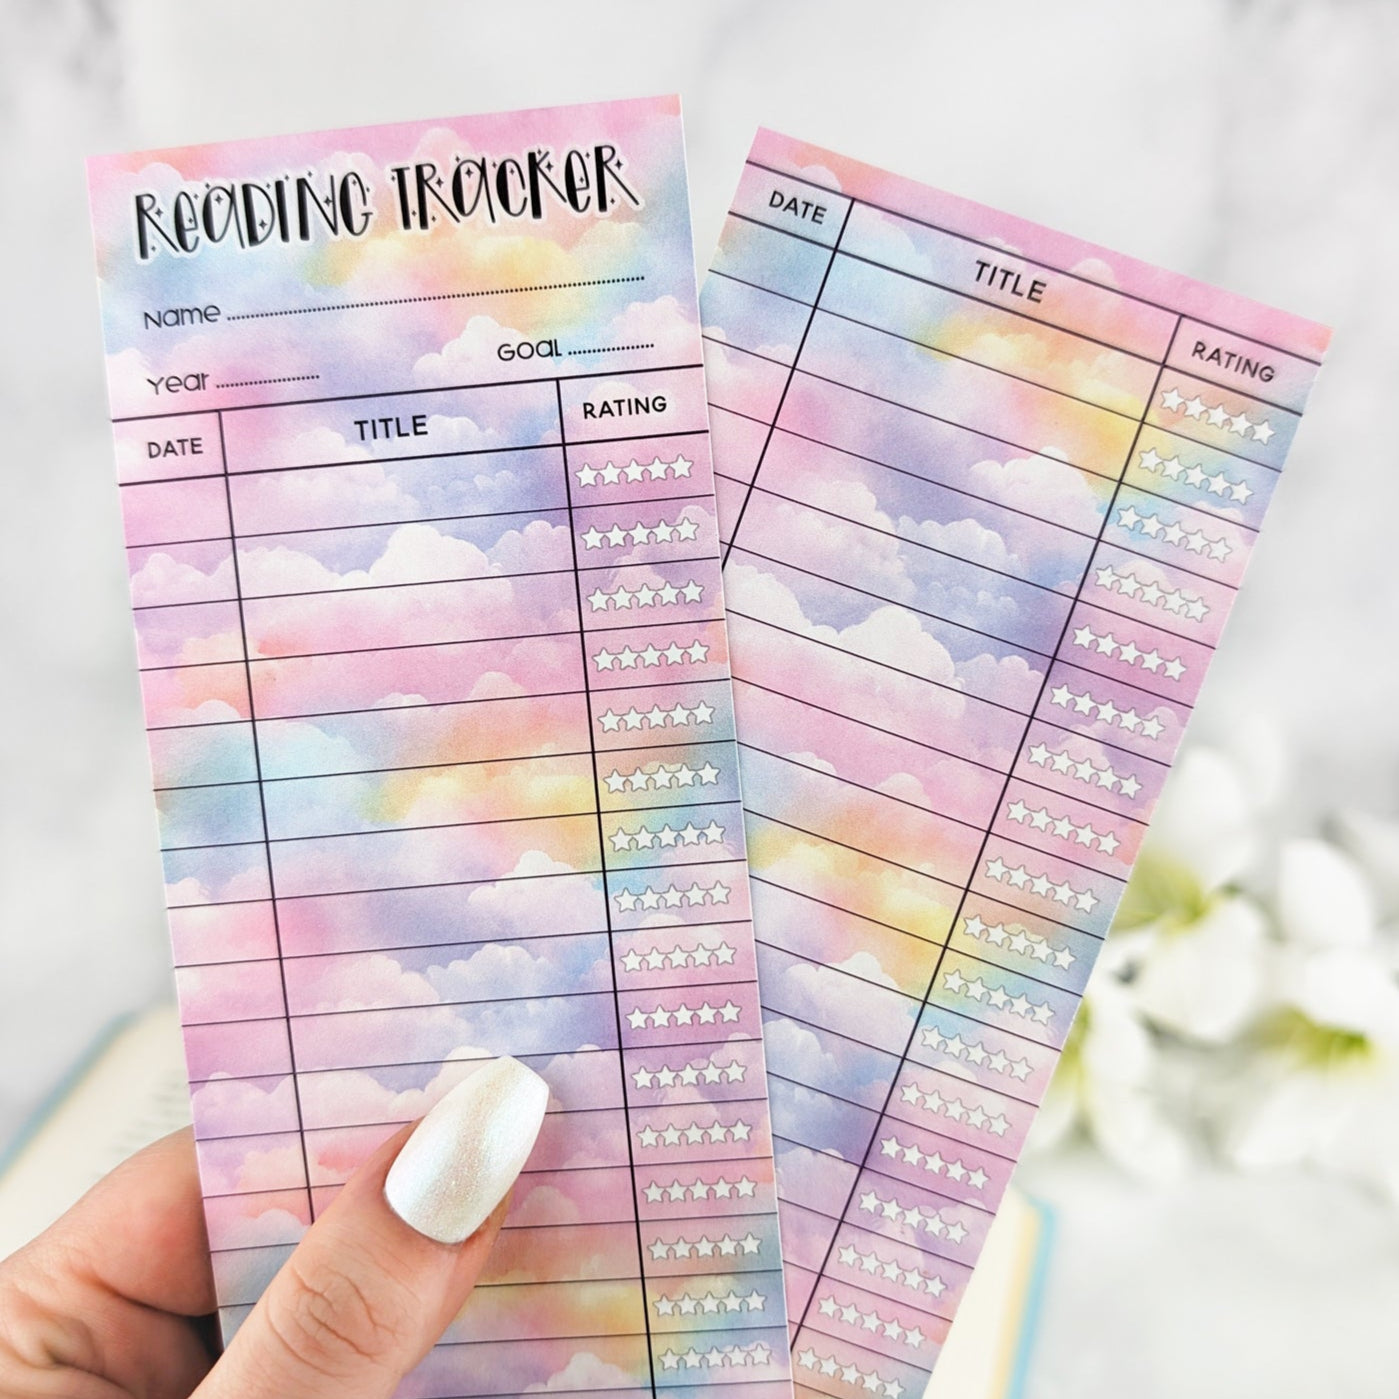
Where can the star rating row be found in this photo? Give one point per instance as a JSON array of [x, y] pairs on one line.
[[913, 1216], [935, 1163], [1148, 523], [754, 1353], [693, 896], [1175, 601], [1018, 877], [1082, 770], [1217, 482], [620, 599], [891, 1270], [694, 1134], [1041, 819], [662, 532], [703, 1247], [682, 775], [1105, 644], [1217, 415], [975, 1053], [706, 1014], [699, 956], [954, 1109], [1107, 711], [645, 838], [677, 716], [677, 1192], [654, 470], [651, 655], [851, 1374], [710, 1303], [976, 989], [1018, 940], [870, 1321]]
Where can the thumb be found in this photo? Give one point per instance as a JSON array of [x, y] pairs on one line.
[[381, 1274]]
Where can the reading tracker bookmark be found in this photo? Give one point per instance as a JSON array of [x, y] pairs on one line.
[[986, 494], [412, 443]]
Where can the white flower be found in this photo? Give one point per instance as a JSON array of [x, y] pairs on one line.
[[1203, 980], [1322, 1087], [1191, 945], [1206, 820], [1323, 899], [1374, 844], [1105, 1084], [1186, 955]]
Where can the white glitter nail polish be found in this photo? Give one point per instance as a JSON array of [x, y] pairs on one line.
[[465, 1154]]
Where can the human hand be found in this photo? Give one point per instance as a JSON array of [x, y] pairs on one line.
[[114, 1299]]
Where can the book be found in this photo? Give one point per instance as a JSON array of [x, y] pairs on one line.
[[127, 1091], [988, 1348], [131, 1088]]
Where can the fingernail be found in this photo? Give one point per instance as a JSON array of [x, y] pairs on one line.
[[465, 1154]]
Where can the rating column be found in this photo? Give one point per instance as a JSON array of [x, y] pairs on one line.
[[671, 832]]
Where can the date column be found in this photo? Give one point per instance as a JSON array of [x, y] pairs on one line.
[[192, 651]]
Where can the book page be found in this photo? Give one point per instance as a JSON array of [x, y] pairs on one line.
[[412, 444], [129, 1092], [986, 494]]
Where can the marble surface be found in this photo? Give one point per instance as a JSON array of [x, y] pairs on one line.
[[1219, 1286], [1247, 142]]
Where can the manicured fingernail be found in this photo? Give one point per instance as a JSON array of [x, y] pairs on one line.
[[465, 1154]]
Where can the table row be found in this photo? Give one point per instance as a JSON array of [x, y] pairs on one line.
[[1031, 283], [588, 409]]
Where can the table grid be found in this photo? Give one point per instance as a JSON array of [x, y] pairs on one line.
[[647, 741], [975, 571]]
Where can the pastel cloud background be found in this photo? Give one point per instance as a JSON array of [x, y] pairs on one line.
[[828, 552], [455, 338], [404, 807]]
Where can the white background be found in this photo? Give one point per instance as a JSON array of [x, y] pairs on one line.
[[1247, 143]]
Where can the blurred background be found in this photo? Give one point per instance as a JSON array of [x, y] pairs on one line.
[[1222, 1150]]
